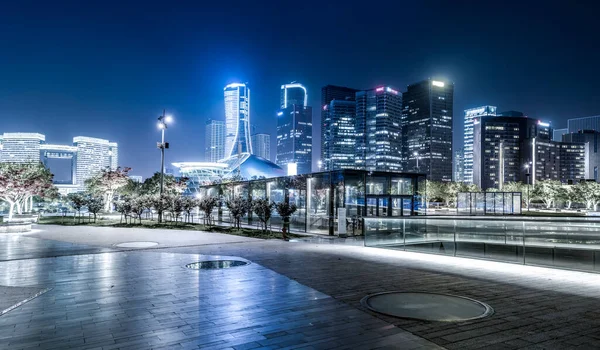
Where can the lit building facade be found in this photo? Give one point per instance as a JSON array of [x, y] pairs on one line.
[[591, 140], [214, 140], [470, 115], [427, 118], [294, 138], [459, 165], [338, 149], [378, 129], [93, 156], [328, 130], [62, 153], [21, 147], [520, 149], [237, 119], [261, 145]]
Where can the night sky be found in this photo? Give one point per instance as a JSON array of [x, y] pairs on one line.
[[107, 69]]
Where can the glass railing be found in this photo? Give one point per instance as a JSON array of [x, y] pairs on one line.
[[557, 243]]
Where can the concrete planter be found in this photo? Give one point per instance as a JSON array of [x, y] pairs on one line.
[[20, 227]]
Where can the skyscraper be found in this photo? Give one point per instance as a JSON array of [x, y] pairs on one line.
[[93, 156], [237, 119], [557, 134], [470, 115], [427, 127], [378, 129], [214, 141], [293, 94], [21, 147], [261, 145], [585, 123], [591, 140], [328, 94], [338, 149], [294, 138]]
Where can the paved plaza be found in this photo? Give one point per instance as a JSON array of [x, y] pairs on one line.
[[93, 295]]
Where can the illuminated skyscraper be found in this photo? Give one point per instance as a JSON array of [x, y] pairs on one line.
[[294, 129], [378, 129], [329, 128], [427, 128], [470, 115], [93, 156], [261, 145], [214, 139], [237, 119]]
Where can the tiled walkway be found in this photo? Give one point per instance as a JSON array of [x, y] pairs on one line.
[[147, 299]]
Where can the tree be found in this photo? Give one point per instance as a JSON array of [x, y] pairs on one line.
[[431, 191], [124, 207], [138, 205], [546, 191], [285, 210], [238, 207], [189, 204], [566, 194], [176, 206], [161, 204], [171, 185], [20, 182], [263, 209], [78, 201], [588, 192], [107, 183], [207, 205], [95, 205]]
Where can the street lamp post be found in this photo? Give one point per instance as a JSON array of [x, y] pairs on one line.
[[527, 175], [416, 154], [163, 120]]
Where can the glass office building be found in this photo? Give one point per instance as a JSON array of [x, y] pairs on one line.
[[237, 119], [470, 115], [214, 141], [320, 196]]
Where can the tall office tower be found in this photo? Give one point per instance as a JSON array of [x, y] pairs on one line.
[[261, 144], [557, 134], [237, 120], [470, 115], [339, 146], [293, 94], [585, 123], [214, 141], [459, 165], [427, 128], [21, 147], [294, 138], [520, 149], [93, 156], [591, 140], [328, 94], [378, 129]]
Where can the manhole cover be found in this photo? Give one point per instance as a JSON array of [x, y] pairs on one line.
[[216, 264], [136, 244], [427, 306]]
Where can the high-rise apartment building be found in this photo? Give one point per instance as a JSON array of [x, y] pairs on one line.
[[470, 115], [378, 129], [93, 156], [591, 140], [294, 138], [293, 94], [21, 147], [339, 146], [261, 145], [214, 141], [427, 127], [328, 137], [459, 165], [237, 119]]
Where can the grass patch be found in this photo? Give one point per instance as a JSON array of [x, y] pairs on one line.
[[551, 214], [244, 231]]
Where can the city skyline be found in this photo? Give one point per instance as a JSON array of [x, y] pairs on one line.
[[117, 84]]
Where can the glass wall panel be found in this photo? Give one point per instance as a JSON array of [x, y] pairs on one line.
[[318, 197], [402, 185], [377, 185]]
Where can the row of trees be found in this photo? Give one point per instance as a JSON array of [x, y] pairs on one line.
[[21, 182], [548, 192]]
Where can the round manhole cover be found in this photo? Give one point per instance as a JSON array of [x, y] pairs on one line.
[[216, 264], [136, 244], [427, 306]]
